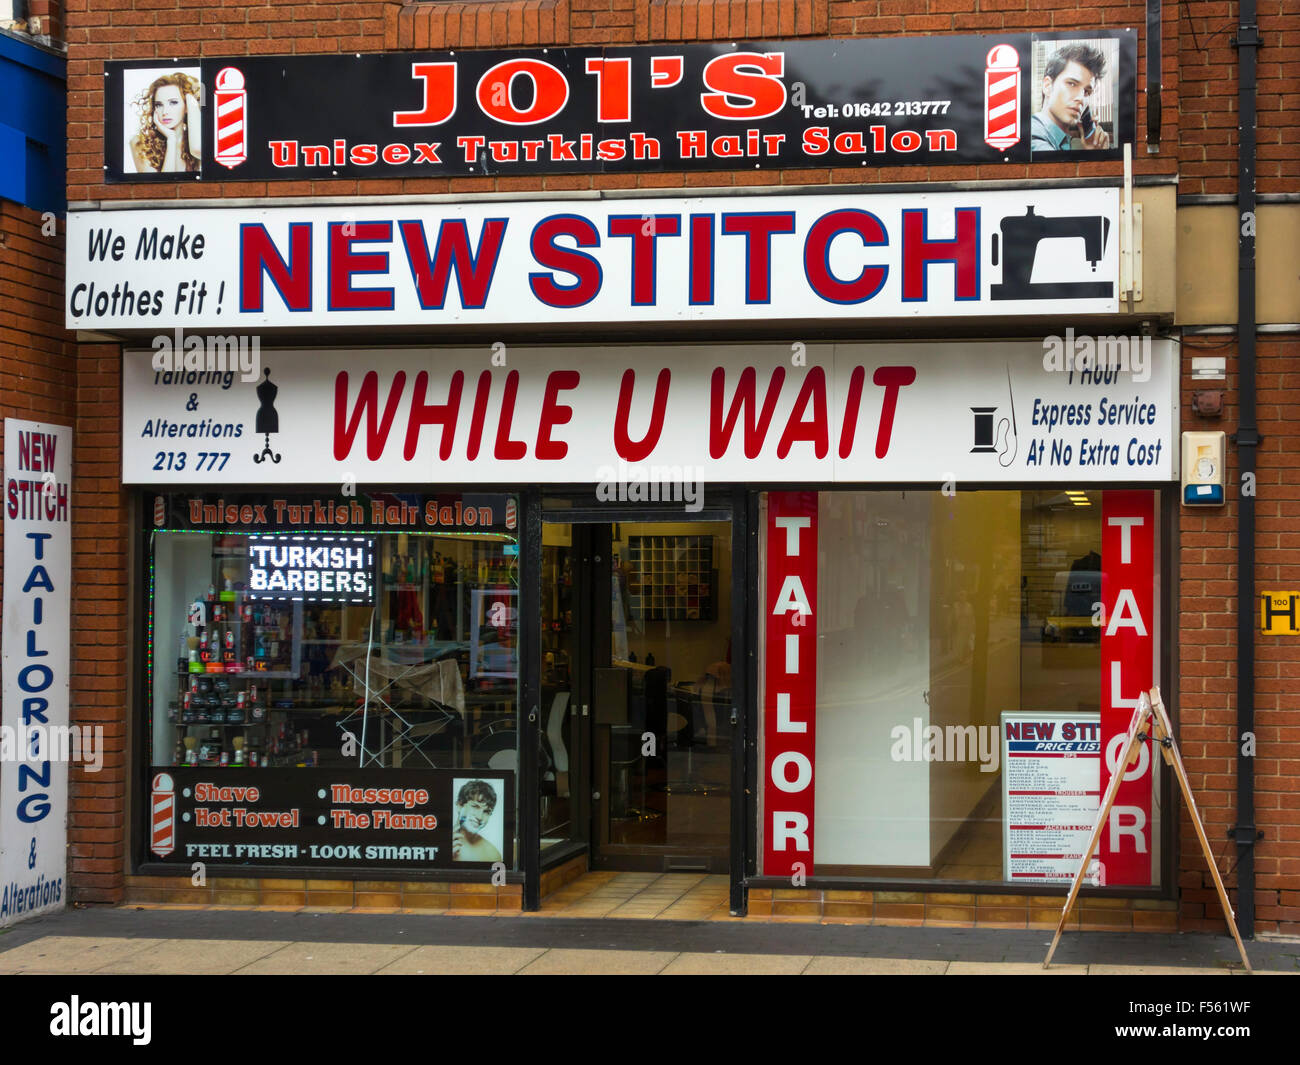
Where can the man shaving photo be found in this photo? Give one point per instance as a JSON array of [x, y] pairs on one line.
[[475, 804]]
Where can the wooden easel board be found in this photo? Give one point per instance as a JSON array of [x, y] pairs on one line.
[[1149, 719]]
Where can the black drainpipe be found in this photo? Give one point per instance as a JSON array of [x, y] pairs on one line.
[[1247, 440]]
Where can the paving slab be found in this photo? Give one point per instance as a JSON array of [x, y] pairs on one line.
[[71, 954], [736, 965], [326, 958], [561, 962], [1155, 970], [832, 966], [462, 961], [1013, 968], [195, 956]]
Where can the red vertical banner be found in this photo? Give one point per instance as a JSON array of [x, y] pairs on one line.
[[790, 683], [1127, 669]]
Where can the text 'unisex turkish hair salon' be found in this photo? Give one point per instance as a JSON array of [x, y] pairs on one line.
[[478, 609]]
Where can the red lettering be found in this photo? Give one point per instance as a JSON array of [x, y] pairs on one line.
[[613, 89], [585, 268], [754, 78], [797, 427], [507, 449], [258, 254], [891, 379], [666, 71], [345, 429], [816, 256], [644, 231], [635, 450], [919, 252], [396, 154], [439, 95], [755, 429], [344, 262], [473, 269], [550, 92], [757, 229], [554, 413], [423, 414], [480, 414], [852, 403], [701, 269]]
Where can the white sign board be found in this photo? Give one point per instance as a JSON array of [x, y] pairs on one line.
[[858, 413], [793, 258], [1051, 793], [34, 737]]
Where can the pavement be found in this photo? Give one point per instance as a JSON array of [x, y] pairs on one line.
[[158, 940]]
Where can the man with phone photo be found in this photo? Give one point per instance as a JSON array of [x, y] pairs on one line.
[[1068, 81]]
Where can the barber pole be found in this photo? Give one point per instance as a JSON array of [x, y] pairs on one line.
[[231, 106], [163, 836], [159, 511], [1002, 97], [512, 514]]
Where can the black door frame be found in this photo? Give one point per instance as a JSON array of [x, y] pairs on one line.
[[729, 505]]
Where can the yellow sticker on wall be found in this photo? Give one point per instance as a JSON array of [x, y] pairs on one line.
[[1279, 613]]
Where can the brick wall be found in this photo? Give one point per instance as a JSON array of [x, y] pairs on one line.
[[44, 377], [1207, 621], [36, 370], [1208, 97], [50, 12]]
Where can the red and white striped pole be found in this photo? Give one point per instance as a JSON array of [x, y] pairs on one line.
[[231, 103], [1002, 97], [162, 839]]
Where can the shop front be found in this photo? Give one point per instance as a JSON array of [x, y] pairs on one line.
[[879, 635], [781, 537]]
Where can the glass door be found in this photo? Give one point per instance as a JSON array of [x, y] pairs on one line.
[[636, 694], [564, 806]]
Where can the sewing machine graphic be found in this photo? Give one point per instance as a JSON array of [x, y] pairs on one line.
[[1020, 239]]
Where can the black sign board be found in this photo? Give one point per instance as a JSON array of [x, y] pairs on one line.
[[317, 569], [760, 105], [364, 510], [408, 819]]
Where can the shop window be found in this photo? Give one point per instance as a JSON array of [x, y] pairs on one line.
[[338, 648], [945, 624]]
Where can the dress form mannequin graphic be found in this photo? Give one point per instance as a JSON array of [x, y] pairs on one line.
[[268, 421]]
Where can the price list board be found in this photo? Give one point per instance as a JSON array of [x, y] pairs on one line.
[[1051, 792]]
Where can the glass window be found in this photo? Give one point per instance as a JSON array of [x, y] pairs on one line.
[[942, 621], [364, 649]]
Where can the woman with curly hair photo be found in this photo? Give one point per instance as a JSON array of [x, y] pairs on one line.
[[170, 138]]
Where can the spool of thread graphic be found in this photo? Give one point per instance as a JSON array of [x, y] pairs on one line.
[[983, 429], [231, 103], [1002, 97], [162, 839]]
